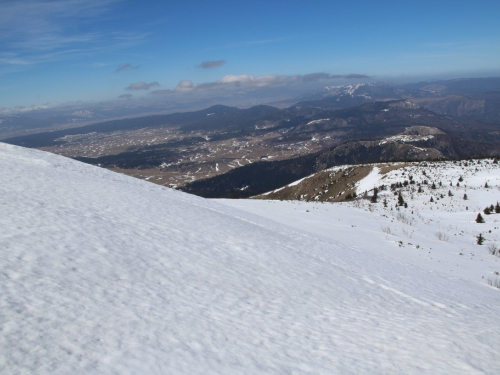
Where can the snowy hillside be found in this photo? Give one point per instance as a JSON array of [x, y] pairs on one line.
[[434, 224], [106, 274]]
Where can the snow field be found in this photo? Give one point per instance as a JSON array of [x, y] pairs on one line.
[[103, 273]]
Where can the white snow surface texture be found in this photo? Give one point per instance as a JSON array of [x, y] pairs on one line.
[[101, 273]]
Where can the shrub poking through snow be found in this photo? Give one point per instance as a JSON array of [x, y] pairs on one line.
[[492, 248], [442, 236], [495, 283]]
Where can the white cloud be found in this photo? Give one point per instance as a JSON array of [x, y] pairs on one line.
[[37, 31]]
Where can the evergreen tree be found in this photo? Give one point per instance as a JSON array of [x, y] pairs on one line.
[[486, 185], [401, 200], [480, 239], [433, 186], [479, 219], [465, 197], [450, 194], [497, 208], [432, 199], [375, 195]]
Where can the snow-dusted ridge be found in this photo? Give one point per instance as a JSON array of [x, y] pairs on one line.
[[106, 274]]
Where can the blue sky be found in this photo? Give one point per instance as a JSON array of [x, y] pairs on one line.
[[54, 52]]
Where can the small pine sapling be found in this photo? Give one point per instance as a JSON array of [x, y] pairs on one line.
[[480, 239], [479, 219]]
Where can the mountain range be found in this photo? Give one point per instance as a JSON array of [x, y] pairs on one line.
[[224, 151]]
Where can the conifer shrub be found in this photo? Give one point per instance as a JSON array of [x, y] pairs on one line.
[[401, 200], [480, 239], [374, 198]]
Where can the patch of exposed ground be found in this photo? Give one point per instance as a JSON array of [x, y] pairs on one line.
[[332, 185]]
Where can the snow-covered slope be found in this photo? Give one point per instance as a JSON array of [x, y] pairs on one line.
[[106, 274], [435, 229]]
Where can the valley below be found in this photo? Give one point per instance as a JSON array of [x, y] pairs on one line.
[[224, 151]]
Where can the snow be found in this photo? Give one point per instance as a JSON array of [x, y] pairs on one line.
[[317, 121], [369, 182], [441, 235], [404, 138], [105, 274]]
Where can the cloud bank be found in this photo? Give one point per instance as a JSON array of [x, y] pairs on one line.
[[251, 81]]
